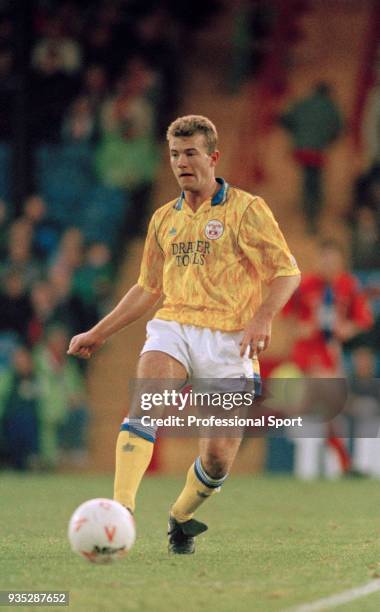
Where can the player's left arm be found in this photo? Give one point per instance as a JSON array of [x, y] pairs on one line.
[[257, 333], [263, 243]]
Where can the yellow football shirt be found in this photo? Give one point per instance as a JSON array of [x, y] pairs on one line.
[[210, 264]]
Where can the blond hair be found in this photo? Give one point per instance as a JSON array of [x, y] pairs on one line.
[[194, 124]]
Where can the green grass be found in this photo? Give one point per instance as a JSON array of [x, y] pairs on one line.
[[272, 543]]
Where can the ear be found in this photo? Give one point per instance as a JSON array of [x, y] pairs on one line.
[[214, 156]]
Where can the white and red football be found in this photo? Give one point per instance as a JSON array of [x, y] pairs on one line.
[[101, 530]]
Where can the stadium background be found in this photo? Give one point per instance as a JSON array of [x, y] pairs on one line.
[[86, 90]]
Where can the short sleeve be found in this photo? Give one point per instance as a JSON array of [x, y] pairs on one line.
[[152, 264], [263, 243]]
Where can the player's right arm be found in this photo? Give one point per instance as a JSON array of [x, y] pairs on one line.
[[131, 307], [137, 301]]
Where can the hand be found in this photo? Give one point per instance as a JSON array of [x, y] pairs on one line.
[[257, 336], [84, 345]]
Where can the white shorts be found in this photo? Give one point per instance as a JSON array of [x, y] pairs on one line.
[[204, 353]]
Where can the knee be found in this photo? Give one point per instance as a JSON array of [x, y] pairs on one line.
[[215, 464]]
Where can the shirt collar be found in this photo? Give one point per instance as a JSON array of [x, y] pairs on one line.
[[219, 198]]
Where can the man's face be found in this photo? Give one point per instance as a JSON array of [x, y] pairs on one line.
[[192, 165], [331, 263]]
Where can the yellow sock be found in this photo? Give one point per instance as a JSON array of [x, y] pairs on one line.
[[133, 455], [195, 492]]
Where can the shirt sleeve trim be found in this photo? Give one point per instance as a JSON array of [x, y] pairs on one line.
[[149, 289], [278, 273]]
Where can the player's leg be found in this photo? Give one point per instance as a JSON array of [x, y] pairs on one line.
[[206, 475], [134, 446], [217, 353], [204, 478]]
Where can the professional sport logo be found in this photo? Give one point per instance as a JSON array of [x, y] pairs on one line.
[[214, 229]]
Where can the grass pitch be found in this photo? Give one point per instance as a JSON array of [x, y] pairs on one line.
[[272, 543]]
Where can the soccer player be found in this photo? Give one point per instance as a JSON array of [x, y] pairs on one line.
[[207, 252]]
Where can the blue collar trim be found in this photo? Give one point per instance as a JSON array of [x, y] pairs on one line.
[[219, 198]]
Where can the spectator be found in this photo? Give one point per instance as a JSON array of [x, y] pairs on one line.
[[21, 230], [365, 240], [67, 50], [79, 123], [128, 113], [43, 303], [69, 309], [330, 309], [367, 191], [62, 390], [127, 154], [70, 251], [253, 23], [45, 232], [92, 282], [101, 76], [19, 401], [95, 86], [20, 258], [314, 123], [15, 306]]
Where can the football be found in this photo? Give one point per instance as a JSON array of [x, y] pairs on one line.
[[101, 531]]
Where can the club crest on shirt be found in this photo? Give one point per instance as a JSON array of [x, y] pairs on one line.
[[214, 229]]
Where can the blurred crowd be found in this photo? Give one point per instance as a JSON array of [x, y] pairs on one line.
[[103, 80], [335, 313]]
